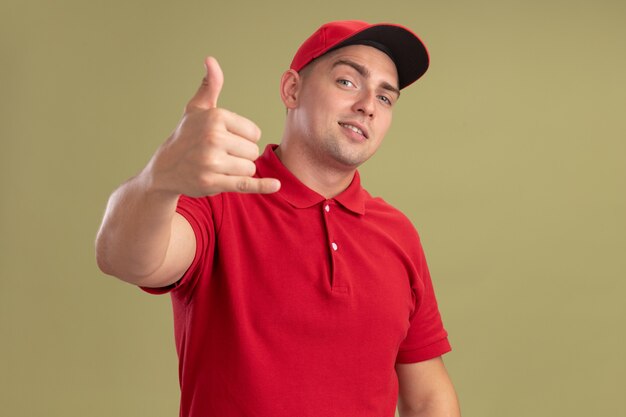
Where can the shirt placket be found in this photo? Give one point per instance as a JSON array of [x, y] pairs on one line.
[[330, 212]]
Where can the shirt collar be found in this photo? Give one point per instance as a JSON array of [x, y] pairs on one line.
[[299, 195]]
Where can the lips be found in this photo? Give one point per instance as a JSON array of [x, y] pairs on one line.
[[355, 127]]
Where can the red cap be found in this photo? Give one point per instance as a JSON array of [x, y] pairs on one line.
[[402, 45]]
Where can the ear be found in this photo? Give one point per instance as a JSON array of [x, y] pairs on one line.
[[290, 84]]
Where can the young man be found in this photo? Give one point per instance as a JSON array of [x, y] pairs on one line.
[[295, 292]]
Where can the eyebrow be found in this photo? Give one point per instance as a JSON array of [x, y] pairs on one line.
[[364, 72]]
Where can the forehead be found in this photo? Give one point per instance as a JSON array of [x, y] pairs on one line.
[[376, 61]]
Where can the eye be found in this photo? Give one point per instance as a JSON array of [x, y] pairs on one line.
[[345, 83], [385, 100]]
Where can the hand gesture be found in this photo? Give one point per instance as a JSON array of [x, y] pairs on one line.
[[212, 150]]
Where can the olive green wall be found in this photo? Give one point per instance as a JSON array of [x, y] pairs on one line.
[[509, 156]]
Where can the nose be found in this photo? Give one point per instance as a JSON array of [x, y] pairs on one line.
[[365, 103]]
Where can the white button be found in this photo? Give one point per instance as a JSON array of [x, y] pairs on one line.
[[327, 208], [334, 245]]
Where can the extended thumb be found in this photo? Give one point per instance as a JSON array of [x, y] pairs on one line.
[[209, 91]]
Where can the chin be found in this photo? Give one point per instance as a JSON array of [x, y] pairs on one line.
[[351, 160]]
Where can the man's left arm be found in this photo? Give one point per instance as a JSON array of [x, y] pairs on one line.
[[425, 390]]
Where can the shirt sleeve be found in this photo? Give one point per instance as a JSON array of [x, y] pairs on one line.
[[426, 338], [199, 212]]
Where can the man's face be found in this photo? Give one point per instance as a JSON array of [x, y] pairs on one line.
[[344, 106]]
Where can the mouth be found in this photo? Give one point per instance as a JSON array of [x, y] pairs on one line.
[[355, 128]]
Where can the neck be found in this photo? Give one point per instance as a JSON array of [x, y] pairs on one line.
[[324, 180]]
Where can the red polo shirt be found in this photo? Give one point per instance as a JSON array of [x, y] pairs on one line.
[[297, 305]]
